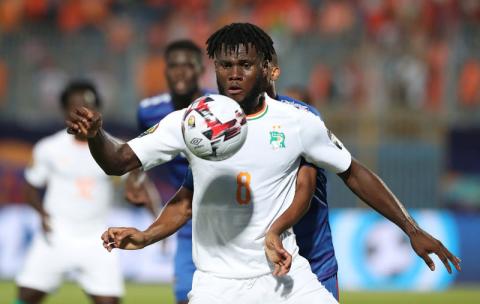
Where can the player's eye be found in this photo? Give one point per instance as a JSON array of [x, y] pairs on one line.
[[247, 65]]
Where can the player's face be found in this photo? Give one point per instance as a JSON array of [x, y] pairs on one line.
[[241, 75], [183, 72]]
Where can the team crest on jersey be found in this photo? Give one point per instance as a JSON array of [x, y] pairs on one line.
[[277, 137], [149, 130]]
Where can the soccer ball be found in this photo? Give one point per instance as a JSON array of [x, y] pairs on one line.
[[214, 127]]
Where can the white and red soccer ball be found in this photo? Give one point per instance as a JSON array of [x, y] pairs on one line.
[[214, 127]]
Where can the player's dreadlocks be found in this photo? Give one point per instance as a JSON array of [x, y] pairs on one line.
[[230, 37]]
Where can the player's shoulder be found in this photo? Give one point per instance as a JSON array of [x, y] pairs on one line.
[[163, 99], [298, 104]]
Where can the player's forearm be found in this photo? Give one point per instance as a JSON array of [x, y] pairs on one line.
[[289, 218], [114, 156], [301, 202], [176, 213], [373, 191]]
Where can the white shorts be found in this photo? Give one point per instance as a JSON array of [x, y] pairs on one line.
[[299, 286], [94, 268]]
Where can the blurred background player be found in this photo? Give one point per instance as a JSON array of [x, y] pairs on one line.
[[78, 197], [184, 67]]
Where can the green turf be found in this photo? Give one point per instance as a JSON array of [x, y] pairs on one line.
[[70, 293], [162, 294]]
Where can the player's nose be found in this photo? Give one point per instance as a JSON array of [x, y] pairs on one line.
[[236, 74]]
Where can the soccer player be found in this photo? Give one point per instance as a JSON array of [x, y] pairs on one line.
[[229, 230], [312, 232], [184, 67], [74, 211]]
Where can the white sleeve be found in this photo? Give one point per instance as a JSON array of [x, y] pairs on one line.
[[320, 146], [161, 143], [37, 172]]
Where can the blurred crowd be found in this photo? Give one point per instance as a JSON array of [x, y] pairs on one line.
[[372, 55]]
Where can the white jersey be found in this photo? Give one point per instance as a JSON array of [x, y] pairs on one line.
[[236, 200], [78, 193]]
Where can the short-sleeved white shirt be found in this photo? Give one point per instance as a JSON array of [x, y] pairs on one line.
[[236, 200]]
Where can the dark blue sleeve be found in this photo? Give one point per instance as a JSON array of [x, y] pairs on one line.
[[188, 181]]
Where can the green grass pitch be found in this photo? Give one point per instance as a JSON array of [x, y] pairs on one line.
[[162, 294]]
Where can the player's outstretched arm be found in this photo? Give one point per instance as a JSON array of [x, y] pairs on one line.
[[114, 156], [281, 259], [173, 216], [372, 190]]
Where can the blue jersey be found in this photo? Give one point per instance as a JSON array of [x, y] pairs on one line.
[[313, 233], [151, 111]]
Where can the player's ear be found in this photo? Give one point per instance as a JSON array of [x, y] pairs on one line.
[[275, 73]]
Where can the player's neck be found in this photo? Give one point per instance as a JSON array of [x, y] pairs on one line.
[[183, 101], [272, 91], [253, 106]]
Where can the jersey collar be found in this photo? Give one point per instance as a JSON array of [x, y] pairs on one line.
[[261, 112]]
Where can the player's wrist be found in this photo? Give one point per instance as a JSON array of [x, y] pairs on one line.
[[98, 132], [148, 237], [274, 231], [411, 229]]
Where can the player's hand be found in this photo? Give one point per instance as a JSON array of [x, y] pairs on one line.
[[280, 258], [424, 244], [127, 238], [84, 121]]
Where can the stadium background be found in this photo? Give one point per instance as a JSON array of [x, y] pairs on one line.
[[397, 81]]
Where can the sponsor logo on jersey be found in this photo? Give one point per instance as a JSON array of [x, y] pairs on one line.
[[277, 137], [149, 130]]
